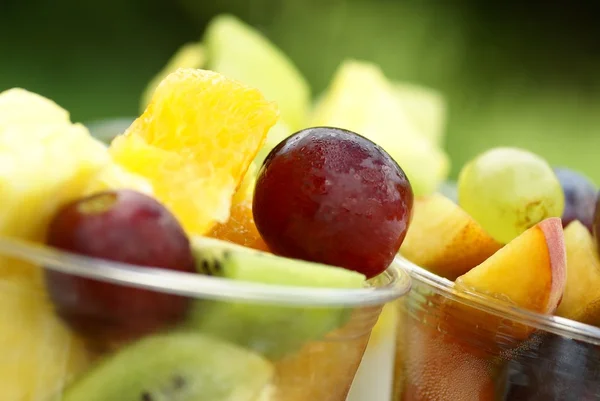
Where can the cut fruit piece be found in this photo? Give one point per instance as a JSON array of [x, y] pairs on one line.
[[195, 142], [182, 366], [39, 354], [240, 228], [241, 52], [361, 99], [426, 109], [36, 177], [581, 300], [529, 272], [269, 329], [19, 106], [444, 239], [190, 55]]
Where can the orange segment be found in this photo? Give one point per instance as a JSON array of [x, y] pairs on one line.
[[195, 142]]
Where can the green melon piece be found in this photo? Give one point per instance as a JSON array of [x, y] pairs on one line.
[[269, 329], [175, 367], [241, 52]]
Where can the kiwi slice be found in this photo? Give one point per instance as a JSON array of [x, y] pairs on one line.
[[273, 330], [175, 367]]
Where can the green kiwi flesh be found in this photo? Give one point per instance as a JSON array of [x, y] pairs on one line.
[[271, 329], [175, 367]]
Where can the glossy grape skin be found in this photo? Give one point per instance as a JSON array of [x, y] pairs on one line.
[[123, 226], [508, 190], [580, 197], [331, 196]]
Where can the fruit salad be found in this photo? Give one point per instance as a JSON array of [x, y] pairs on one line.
[[168, 266], [505, 296], [405, 119]]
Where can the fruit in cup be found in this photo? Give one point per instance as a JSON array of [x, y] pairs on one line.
[[176, 366], [451, 350], [444, 239], [274, 331], [537, 284], [581, 300], [328, 195], [509, 190], [123, 226], [580, 197]]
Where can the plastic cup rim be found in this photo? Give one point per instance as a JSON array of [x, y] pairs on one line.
[[396, 281], [549, 323]]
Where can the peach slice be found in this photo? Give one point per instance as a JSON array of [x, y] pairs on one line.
[[581, 300], [445, 239], [529, 272]]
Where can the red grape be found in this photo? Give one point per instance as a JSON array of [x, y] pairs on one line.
[[332, 196], [124, 226]]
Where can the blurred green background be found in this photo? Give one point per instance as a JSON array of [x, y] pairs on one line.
[[514, 74]]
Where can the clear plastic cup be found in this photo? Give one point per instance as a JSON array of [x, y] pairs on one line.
[[294, 343], [457, 346]]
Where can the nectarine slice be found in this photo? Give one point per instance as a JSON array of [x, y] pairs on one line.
[[529, 272], [445, 239], [581, 300]]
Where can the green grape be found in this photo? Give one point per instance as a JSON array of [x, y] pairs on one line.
[[509, 190]]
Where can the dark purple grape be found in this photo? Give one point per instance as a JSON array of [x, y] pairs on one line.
[[123, 226], [331, 196], [556, 369], [580, 197]]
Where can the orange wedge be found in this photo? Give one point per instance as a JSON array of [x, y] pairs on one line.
[[195, 142]]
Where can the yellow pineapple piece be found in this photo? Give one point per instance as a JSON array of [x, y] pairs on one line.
[[45, 162], [19, 106]]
